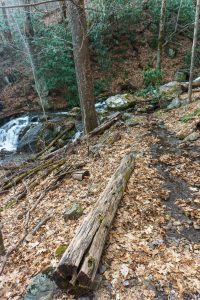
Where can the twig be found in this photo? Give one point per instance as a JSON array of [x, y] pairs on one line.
[[41, 223]]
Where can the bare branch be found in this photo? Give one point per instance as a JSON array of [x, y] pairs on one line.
[[30, 4]]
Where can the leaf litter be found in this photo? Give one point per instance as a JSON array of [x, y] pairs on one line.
[[147, 254]]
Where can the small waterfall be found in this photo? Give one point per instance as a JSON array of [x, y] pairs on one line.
[[9, 133]]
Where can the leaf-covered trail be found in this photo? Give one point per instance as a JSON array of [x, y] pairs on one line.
[[153, 247]]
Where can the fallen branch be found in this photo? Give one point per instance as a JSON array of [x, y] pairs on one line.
[[60, 135], [15, 180], [41, 223], [98, 130], [80, 261]]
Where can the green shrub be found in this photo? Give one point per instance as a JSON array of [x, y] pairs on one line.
[[152, 77], [55, 61]]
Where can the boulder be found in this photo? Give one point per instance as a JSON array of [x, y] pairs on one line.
[[28, 138], [121, 102], [168, 92], [41, 287]]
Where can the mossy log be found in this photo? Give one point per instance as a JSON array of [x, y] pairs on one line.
[[10, 183], [80, 261]]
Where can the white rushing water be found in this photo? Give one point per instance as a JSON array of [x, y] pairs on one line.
[[9, 133]]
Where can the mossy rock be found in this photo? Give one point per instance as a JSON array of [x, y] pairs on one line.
[[73, 212], [121, 102], [169, 92]]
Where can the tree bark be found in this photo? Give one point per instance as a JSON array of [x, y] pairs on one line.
[[161, 34], [2, 248], [196, 27], [7, 33], [29, 31], [82, 63], [80, 261], [63, 8]]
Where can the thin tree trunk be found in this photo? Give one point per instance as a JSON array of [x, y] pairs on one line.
[[63, 8], [178, 16], [7, 33], [196, 27], [82, 63], [29, 31], [2, 248], [161, 34]]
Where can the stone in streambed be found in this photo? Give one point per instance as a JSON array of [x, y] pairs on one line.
[[74, 212]]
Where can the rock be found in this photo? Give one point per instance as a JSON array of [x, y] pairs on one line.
[[132, 120], [29, 137], [74, 212], [145, 109], [102, 269], [168, 92], [181, 76], [192, 137], [75, 112], [41, 287], [156, 243], [196, 226], [174, 104], [121, 102]]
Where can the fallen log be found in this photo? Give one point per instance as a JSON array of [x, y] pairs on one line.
[[107, 124], [80, 261], [195, 84]]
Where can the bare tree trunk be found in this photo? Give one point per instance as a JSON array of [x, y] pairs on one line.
[[63, 8], [196, 27], [7, 33], [178, 16], [29, 31], [161, 34], [82, 63], [2, 249]]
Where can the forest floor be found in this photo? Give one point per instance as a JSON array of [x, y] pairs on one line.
[[153, 248]]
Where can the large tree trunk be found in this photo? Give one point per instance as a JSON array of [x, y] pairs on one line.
[[7, 32], [196, 26], [161, 34], [82, 63], [80, 262]]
